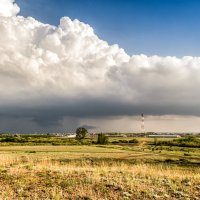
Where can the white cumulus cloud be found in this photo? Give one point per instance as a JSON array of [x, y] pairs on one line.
[[8, 8]]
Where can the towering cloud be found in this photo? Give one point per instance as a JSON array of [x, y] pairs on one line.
[[8, 8], [50, 72]]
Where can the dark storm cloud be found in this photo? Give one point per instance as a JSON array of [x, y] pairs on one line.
[[51, 117]]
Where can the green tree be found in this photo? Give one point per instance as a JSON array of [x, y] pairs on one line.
[[102, 139], [81, 133]]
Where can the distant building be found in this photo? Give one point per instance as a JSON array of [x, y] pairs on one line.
[[71, 136], [164, 136]]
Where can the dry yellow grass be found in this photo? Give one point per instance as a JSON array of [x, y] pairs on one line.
[[90, 173]]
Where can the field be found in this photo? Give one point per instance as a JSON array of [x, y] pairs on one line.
[[145, 170]]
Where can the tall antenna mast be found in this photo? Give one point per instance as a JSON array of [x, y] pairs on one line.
[[142, 123]]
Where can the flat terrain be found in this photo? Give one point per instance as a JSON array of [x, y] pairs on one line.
[[121, 171], [50, 167]]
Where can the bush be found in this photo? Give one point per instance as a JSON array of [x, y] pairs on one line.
[[123, 141], [11, 138], [102, 139], [115, 142], [187, 154], [135, 141], [190, 141]]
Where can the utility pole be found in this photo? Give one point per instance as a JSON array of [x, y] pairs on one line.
[[142, 123]]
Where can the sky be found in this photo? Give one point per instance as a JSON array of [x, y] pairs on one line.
[[99, 64], [150, 27]]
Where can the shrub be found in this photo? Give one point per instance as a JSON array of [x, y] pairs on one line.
[[135, 141], [190, 141], [115, 142], [102, 139], [187, 154], [123, 141], [11, 138]]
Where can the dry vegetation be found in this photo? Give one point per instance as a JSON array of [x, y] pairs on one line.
[[92, 172]]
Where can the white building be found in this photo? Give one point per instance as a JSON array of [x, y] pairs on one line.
[[164, 136]]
